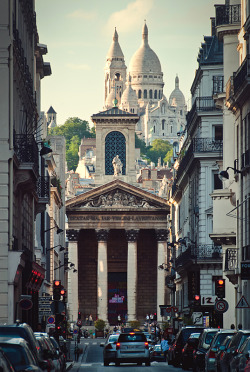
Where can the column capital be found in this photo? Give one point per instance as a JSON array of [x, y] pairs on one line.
[[161, 235], [72, 235], [102, 235], [131, 235]]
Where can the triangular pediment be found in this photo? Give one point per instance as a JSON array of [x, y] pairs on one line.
[[114, 111], [117, 195]]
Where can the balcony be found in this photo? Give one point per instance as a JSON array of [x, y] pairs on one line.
[[26, 151], [200, 254], [231, 264], [227, 14], [201, 106], [241, 81], [43, 193]]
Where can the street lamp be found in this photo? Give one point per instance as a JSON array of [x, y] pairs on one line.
[[71, 267], [58, 245], [58, 231], [223, 175]]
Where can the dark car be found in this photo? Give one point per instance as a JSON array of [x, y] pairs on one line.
[[5, 364], [19, 354], [24, 331], [174, 354], [233, 348], [240, 360], [210, 358], [109, 349], [187, 351], [199, 353], [132, 348], [156, 354], [221, 351], [62, 356]]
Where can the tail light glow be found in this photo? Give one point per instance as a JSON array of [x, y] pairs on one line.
[[118, 346], [146, 345]]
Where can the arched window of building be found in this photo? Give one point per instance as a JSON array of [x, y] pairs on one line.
[[159, 94], [171, 129], [145, 93], [162, 134], [115, 144], [117, 76], [163, 124], [139, 93], [150, 94], [155, 94], [163, 108], [154, 128]]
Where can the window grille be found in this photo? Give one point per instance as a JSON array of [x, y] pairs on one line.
[[115, 144]]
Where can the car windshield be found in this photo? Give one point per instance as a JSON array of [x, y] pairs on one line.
[[132, 337], [209, 337], [187, 332], [157, 347], [113, 338], [220, 338], [16, 355]]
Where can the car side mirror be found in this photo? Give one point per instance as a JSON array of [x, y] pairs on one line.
[[102, 344]]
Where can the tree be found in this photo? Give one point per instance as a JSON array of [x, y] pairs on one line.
[[74, 129], [158, 149]]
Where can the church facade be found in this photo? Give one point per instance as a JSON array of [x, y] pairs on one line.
[[140, 91]]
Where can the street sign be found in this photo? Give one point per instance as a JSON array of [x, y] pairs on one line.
[[197, 318], [221, 306], [245, 270], [51, 320], [75, 331], [242, 304], [25, 304], [79, 322], [208, 300]]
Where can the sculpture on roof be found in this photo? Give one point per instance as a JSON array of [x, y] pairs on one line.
[[117, 164], [163, 192]]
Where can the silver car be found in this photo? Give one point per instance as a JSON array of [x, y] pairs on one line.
[[132, 347], [109, 349]]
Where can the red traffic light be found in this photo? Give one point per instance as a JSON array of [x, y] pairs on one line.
[[196, 297], [57, 283], [62, 292], [221, 282]]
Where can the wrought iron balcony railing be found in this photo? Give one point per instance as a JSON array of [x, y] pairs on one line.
[[241, 74], [227, 14], [43, 187], [201, 104], [26, 149], [231, 259], [199, 253]]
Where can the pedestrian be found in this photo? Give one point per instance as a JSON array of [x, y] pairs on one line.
[[87, 320], [151, 318], [239, 326], [232, 326], [90, 320], [119, 319], [164, 347], [147, 318]]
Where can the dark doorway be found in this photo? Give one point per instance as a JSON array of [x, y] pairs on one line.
[[117, 297]]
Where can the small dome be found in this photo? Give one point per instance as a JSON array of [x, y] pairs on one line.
[[115, 49], [110, 98], [145, 59], [129, 94], [177, 97]]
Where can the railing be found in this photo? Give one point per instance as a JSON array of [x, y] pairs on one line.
[[43, 187], [201, 104], [242, 73], [227, 14], [231, 259], [201, 252], [26, 149]]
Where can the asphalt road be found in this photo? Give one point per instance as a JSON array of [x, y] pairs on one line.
[[91, 360]]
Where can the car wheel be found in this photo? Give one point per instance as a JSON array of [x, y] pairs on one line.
[[147, 364], [117, 364], [106, 363]]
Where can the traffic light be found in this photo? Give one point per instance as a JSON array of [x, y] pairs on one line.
[[155, 316], [220, 288], [79, 314], [57, 290], [197, 300]]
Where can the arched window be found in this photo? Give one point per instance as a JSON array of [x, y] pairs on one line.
[[150, 94], [162, 134], [155, 94], [154, 128], [171, 129], [159, 94], [145, 94], [139, 93], [163, 107], [115, 144], [117, 76], [163, 124]]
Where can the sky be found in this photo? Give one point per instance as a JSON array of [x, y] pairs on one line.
[[78, 34]]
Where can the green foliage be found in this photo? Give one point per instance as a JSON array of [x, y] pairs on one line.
[[74, 129], [168, 157], [99, 324], [134, 324], [140, 144], [159, 149]]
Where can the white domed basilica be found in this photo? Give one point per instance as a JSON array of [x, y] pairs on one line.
[[140, 91]]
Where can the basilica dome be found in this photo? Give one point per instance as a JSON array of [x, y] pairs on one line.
[[129, 95], [145, 59], [177, 97]]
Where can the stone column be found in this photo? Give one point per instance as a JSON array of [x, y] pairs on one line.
[[72, 292], [161, 236], [102, 275], [131, 236]]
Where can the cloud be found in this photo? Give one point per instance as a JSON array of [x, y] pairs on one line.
[[74, 66], [80, 14], [127, 19]]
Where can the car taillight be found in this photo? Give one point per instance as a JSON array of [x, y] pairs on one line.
[[183, 350], [211, 354], [118, 346], [146, 345]]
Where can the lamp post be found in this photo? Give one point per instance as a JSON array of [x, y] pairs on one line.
[[58, 245], [55, 227]]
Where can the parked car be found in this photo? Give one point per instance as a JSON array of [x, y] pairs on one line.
[[132, 348], [61, 354], [205, 341], [247, 368], [109, 349], [210, 358], [5, 364], [19, 354], [156, 353], [222, 349], [24, 331], [174, 354], [46, 353], [240, 360], [188, 349]]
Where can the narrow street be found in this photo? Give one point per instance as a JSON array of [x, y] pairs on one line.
[[91, 360]]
